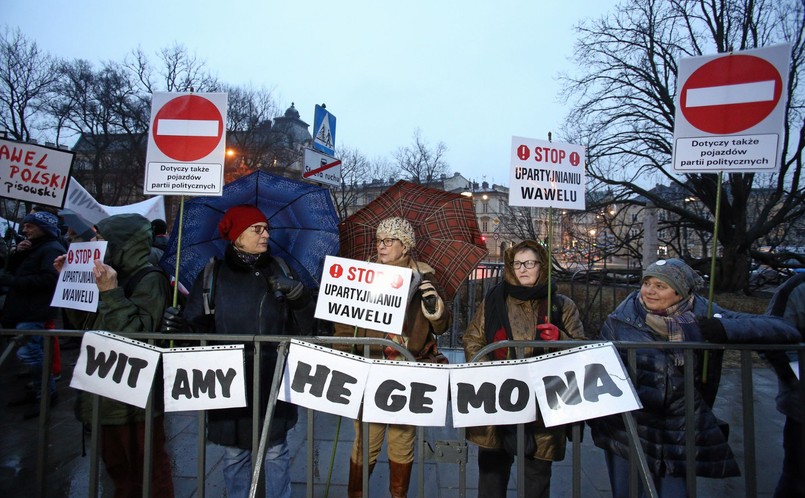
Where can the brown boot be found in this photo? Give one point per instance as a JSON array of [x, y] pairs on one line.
[[355, 483], [399, 478]]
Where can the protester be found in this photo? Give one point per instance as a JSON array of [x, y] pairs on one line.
[[160, 229], [31, 281], [789, 302], [132, 296], [160, 243], [425, 316], [667, 309], [249, 292], [517, 309]]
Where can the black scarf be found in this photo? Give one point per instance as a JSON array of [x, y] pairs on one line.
[[495, 312]]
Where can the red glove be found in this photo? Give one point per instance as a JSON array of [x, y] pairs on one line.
[[548, 331]]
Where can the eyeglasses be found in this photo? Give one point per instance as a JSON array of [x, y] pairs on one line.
[[387, 242], [259, 229], [531, 263]]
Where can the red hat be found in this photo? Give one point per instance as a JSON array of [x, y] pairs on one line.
[[239, 218]]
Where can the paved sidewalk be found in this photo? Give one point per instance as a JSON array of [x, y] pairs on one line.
[[69, 470]]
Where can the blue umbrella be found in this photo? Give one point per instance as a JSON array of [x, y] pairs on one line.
[[301, 216]]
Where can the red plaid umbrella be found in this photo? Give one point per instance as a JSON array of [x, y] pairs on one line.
[[447, 235]]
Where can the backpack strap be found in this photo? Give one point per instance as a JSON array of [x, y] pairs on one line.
[[208, 290], [134, 280], [286, 270]]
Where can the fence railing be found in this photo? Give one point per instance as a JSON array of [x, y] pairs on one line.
[[449, 452]]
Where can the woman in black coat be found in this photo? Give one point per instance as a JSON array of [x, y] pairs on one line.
[[252, 293]]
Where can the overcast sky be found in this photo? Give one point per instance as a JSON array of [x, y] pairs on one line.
[[470, 74]]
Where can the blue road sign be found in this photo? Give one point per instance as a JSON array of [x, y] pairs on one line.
[[324, 131]]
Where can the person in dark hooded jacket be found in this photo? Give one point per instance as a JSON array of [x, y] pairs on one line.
[[122, 436], [251, 295]]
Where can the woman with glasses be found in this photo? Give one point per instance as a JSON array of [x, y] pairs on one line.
[[517, 309], [425, 316], [249, 292]]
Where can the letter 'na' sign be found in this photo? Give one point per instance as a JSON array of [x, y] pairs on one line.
[[204, 378], [367, 295], [546, 174], [116, 367], [730, 111], [186, 144]]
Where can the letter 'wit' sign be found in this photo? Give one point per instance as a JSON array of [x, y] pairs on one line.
[[76, 287], [368, 295], [204, 378], [324, 379], [115, 367], [546, 174]]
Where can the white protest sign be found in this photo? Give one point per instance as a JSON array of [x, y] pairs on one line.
[[493, 393], [324, 379], [204, 378], [401, 392], [582, 383], [186, 144], [546, 174], [76, 287], [730, 111], [116, 367], [35, 174], [368, 295]]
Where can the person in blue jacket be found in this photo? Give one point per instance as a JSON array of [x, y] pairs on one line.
[[667, 309]]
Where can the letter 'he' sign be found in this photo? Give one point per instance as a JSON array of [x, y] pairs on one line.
[[116, 367], [324, 379], [204, 378]]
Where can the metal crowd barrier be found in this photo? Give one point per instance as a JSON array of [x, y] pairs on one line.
[[448, 452]]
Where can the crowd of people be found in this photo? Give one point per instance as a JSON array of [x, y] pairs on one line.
[[250, 291]]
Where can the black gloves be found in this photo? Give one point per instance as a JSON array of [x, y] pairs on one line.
[[712, 330], [291, 289], [432, 304], [173, 322]]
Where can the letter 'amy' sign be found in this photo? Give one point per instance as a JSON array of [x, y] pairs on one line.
[[204, 378], [367, 295], [568, 386]]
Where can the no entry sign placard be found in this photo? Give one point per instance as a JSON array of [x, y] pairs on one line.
[[186, 144], [730, 111]]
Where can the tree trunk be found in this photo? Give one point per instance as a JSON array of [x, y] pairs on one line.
[[734, 270]]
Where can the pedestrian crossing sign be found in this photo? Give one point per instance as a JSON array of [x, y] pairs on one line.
[[324, 130]]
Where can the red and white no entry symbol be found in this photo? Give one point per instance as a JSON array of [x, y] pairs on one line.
[[731, 94], [188, 128]]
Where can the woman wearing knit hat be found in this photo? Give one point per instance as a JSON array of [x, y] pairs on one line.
[[668, 309], [249, 292], [517, 309], [426, 315]]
